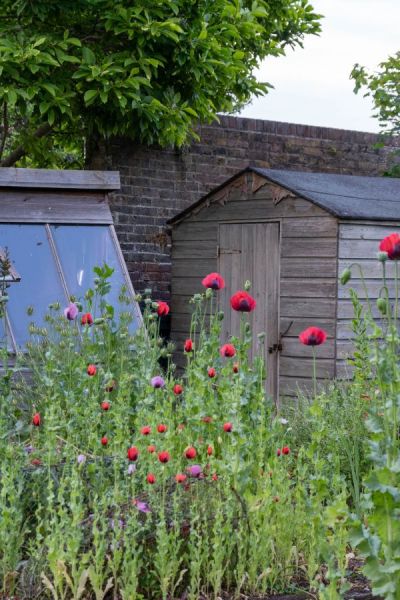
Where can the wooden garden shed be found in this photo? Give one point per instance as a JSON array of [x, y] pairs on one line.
[[291, 234]]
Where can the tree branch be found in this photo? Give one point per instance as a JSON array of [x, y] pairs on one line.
[[19, 152], [5, 129]]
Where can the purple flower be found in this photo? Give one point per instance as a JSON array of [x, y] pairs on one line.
[[157, 382], [71, 311], [131, 469], [195, 470], [29, 449], [81, 459], [141, 506]]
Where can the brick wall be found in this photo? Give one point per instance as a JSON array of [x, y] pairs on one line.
[[158, 183]]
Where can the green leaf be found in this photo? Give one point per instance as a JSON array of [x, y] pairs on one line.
[[88, 56], [89, 96]]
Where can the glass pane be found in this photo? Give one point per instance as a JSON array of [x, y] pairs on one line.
[[40, 283], [83, 247]]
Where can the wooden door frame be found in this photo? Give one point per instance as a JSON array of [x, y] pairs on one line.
[[258, 221]]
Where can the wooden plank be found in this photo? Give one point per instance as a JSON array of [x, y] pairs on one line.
[[186, 230], [370, 267], [294, 348], [345, 309], [294, 326], [344, 370], [52, 178], [355, 249], [53, 207], [188, 286], [194, 267], [194, 249], [316, 227], [374, 287], [308, 308], [351, 231], [298, 386], [303, 367], [345, 349], [308, 288], [309, 247], [319, 268]]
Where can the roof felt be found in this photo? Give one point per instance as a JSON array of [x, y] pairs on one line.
[[345, 196]]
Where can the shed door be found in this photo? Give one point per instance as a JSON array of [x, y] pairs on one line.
[[251, 251]]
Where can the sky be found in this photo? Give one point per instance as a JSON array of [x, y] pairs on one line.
[[312, 85]]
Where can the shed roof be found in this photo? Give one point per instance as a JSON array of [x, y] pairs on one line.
[[345, 196], [52, 178]]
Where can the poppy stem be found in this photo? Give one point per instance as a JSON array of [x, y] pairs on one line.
[[396, 305], [314, 371]]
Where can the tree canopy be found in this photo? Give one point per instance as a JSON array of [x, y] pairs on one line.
[[147, 70]]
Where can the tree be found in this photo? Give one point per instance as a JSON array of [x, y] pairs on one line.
[[74, 70]]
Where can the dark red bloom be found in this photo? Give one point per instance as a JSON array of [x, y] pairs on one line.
[[285, 450], [163, 457], [105, 406], [209, 450], [313, 336], [227, 427], [151, 478], [161, 428], [235, 368], [213, 281], [278, 452], [151, 449], [188, 346], [391, 245], [207, 419], [104, 441], [214, 477], [36, 462], [211, 372], [91, 370], [36, 420], [178, 389], [111, 386], [190, 452], [132, 453], [227, 350], [180, 478], [87, 319], [243, 302], [162, 308], [146, 430]]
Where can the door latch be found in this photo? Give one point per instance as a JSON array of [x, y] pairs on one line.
[[278, 347]]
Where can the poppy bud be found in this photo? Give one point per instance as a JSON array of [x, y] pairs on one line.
[[91, 370], [209, 450], [36, 420], [132, 453], [235, 368], [104, 441], [146, 430], [105, 406], [151, 478], [87, 319], [211, 372], [345, 276], [382, 305], [188, 346], [151, 449], [163, 457], [190, 452], [178, 389], [227, 427], [180, 478], [161, 428]]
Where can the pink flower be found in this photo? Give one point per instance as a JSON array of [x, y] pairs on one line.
[[141, 506], [195, 471], [157, 382], [71, 311]]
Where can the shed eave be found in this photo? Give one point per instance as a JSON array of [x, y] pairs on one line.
[[72, 179]]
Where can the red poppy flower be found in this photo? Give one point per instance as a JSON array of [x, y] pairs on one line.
[[235, 368], [190, 452], [151, 449], [163, 457], [313, 336], [91, 370], [151, 478], [105, 406], [214, 477], [391, 245], [87, 319], [104, 441], [162, 308], [243, 302], [146, 430], [227, 427], [132, 453], [207, 419], [178, 389], [213, 281], [161, 428], [36, 462], [209, 450], [227, 350], [180, 478], [211, 372], [285, 450], [36, 420], [188, 346]]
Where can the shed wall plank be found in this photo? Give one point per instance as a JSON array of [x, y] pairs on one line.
[[318, 247]]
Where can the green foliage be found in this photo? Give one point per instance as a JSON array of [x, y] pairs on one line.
[[149, 71]]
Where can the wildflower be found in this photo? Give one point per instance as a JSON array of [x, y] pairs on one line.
[[141, 506], [163, 457], [71, 311], [243, 302], [161, 428], [36, 419], [283, 421], [131, 469], [227, 427], [391, 245], [87, 319], [207, 419], [278, 452], [104, 441], [157, 382], [213, 281], [211, 372], [151, 449], [29, 449], [81, 459], [180, 477], [36, 462], [285, 450], [146, 430], [312, 336], [209, 450], [195, 471], [111, 385], [188, 346], [190, 452], [105, 406], [132, 453], [91, 370], [235, 367], [227, 350], [178, 389], [151, 478], [162, 308], [214, 477]]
